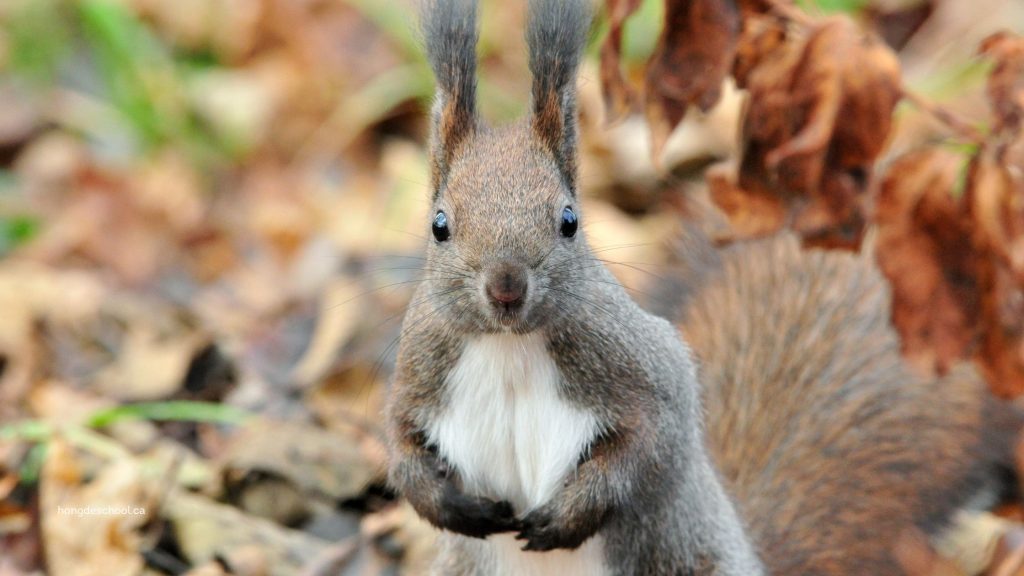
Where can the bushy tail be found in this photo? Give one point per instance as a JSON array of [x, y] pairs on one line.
[[831, 445]]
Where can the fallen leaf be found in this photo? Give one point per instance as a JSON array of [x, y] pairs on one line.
[[318, 462], [91, 528], [205, 530]]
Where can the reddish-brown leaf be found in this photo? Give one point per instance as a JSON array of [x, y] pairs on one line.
[[897, 24], [751, 213], [995, 197], [995, 200], [793, 116], [750, 8], [1006, 82], [693, 57], [618, 95], [794, 141], [924, 249]]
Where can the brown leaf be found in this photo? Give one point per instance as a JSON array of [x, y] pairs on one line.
[[1006, 83], [762, 39], [618, 95], [794, 141], [316, 461], [995, 194], [205, 529], [995, 198], [693, 57], [995, 201], [898, 23], [92, 528], [751, 214], [924, 249], [761, 211], [750, 8]]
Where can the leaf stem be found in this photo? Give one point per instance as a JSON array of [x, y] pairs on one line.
[[944, 116]]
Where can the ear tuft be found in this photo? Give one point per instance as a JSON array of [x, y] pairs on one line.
[[556, 34], [450, 34]]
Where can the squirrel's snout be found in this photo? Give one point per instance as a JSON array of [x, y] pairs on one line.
[[506, 287]]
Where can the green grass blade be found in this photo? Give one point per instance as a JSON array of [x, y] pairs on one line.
[[179, 411]]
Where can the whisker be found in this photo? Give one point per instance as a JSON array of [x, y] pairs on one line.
[[596, 306], [379, 288], [646, 295], [379, 364]]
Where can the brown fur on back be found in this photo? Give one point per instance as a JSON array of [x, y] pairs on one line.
[[829, 444]]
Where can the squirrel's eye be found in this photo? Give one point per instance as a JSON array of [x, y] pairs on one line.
[[440, 227], [569, 223]]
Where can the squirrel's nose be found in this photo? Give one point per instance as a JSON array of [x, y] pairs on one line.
[[506, 287]]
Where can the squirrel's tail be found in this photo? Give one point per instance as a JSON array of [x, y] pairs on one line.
[[830, 444]]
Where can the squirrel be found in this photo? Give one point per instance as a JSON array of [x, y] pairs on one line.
[[550, 425]]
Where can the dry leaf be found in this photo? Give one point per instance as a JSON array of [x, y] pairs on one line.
[[91, 529], [618, 95], [205, 529], [693, 58], [319, 462], [1006, 82], [924, 249], [751, 214], [794, 141], [995, 200], [995, 197]]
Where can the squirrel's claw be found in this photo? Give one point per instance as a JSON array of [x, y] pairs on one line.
[[476, 517], [541, 534]]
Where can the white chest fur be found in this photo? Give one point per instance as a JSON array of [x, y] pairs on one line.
[[512, 437]]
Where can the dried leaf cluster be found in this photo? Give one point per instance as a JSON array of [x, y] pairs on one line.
[[960, 227], [820, 100]]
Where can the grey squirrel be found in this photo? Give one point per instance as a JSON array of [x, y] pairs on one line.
[[549, 425]]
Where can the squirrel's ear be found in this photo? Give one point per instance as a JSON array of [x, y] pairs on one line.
[[449, 29], [556, 33]]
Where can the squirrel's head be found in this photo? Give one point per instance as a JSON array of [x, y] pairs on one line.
[[505, 238]]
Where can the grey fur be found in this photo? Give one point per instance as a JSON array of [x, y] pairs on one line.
[[450, 34], [556, 32], [449, 29]]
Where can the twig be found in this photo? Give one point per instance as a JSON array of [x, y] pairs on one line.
[[951, 120]]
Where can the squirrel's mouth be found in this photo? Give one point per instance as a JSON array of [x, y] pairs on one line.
[[510, 320]]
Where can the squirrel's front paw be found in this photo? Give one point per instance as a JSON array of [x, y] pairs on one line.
[[475, 516], [543, 530]]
